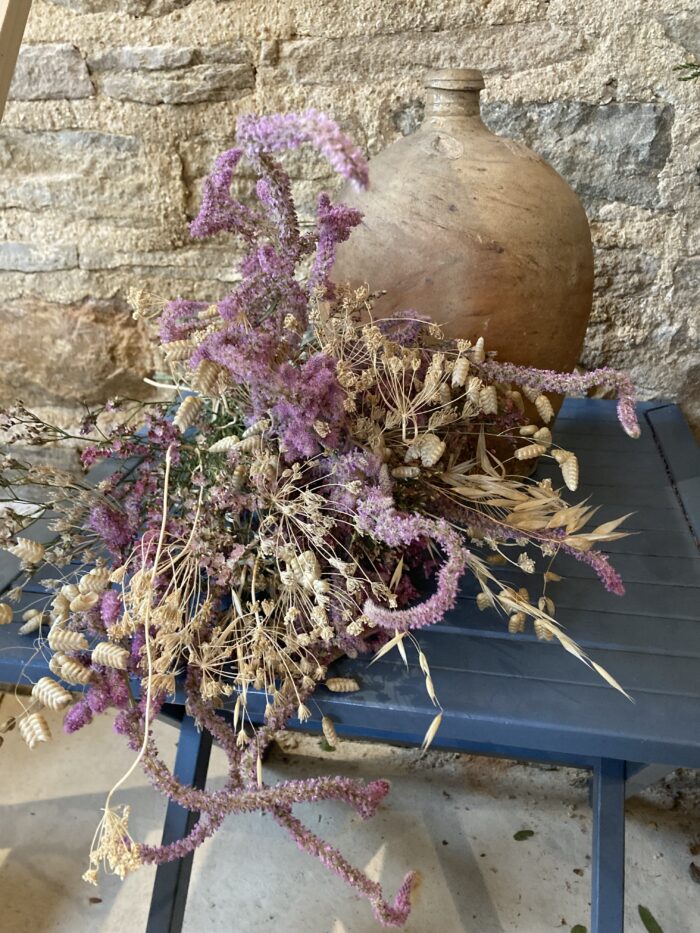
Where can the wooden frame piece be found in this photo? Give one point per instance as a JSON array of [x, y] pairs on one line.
[[13, 19]]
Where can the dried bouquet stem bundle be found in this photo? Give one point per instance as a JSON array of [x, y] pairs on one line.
[[319, 485]]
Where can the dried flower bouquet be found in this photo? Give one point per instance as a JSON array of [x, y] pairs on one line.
[[317, 485]]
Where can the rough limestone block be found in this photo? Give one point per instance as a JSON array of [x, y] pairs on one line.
[[131, 7], [34, 257], [172, 75], [90, 350], [50, 71], [612, 152]]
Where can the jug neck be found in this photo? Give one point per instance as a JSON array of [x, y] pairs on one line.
[[453, 94]]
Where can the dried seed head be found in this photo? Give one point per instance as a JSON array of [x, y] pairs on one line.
[[34, 729], [83, 602], [342, 685], [569, 472], [430, 449], [28, 551], [110, 655], [544, 408], [187, 413], [528, 430], [95, 581], [258, 428], [206, 376], [62, 639], [543, 436], [329, 732], [6, 614], [73, 672], [406, 472], [530, 451], [483, 601], [460, 372], [542, 631], [477, 353], [33, 624], [50, 693], [516, 623], [488, 400]]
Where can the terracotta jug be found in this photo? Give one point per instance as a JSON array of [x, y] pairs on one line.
[[476, 230]]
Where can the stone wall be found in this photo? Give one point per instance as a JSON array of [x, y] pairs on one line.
[[119, 106]]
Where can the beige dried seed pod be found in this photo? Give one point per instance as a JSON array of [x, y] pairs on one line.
[[252, 442], [569, 471], [528, 430], [83, 602], [530, 393], [431, 448], [517, 399], [406, 472], [69, 591], [55, 666], [116, 576], [258, 428], [474, 387], [542, 631], [544, 408], [444, 394], [28, 551], [110, 655], [329, 732], [530, 451], [95, 581], [483, 601], [516, 623], [224, 444], [488, 400], [543, 436], [63, 639], [50, 693], [477, 352], [6, 614], [34, 729], [460, 372], [187, 413], [73, 672], [238, 477], [342, 685], [33, 624], [177, 350], [206, 376]]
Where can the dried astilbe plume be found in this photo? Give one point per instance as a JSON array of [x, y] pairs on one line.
[[318, 483]]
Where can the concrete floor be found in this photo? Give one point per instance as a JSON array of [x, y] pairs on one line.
[[452, 817]]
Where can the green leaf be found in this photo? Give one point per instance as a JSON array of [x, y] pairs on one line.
[[579, 928], [523, 834], [649, 920]]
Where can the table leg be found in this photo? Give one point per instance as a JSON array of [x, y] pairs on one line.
[[608, 884], [172, 878]]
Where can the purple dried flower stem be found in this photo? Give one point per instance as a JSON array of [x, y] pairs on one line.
[[377, 515], [392, 915], [549, 380], [291, 130]]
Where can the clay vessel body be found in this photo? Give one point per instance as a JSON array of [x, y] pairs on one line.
[[475, 230]]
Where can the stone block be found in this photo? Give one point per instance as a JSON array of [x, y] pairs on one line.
[[50, 71], [175, 75], [86, 351], [612, 152], [81, 173], [36, 257], [130, 7]]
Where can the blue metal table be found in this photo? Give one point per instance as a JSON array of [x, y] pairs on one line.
[[511, 696]]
